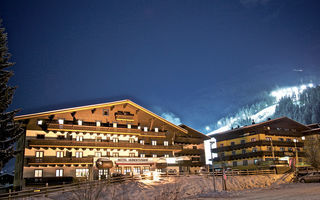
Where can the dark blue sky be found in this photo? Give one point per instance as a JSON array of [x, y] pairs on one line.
[[197, 59]]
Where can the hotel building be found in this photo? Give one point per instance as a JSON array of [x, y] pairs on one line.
[[265, 144], [95, 141]]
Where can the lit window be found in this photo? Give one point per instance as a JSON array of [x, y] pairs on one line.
[[38, 173], [59, 172], [79, 138], [79, 154], [115, 154], [79, 122], [145, 129], [60, 121], [166, 155], [131, 154], [156, 130], [115, 139], [131, 140], [114, 125], [98, 154], [142, 142], [253, 139], [154, 155], [154, 142], [256, 161], [165, 143], [59, 154], [139, 127], [268, 138], [142, 155], [82, 172], [39, 154], [98, 123], [128, 125], [40, 122]]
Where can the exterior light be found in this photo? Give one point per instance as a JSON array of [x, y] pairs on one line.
[[60, 121], [40, 122], [295, 140], [303, 138], [80, 122]]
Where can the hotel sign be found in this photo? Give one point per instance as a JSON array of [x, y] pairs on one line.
[[133, 160]]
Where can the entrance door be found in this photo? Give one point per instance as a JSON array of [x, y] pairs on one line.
[[103, 174]]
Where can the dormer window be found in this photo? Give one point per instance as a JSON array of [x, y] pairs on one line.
[[60, 121], [156, 130], [80, 122], [98, 123], [115, 125], [145, 129], [40, 122]]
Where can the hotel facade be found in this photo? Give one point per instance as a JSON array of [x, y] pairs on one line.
[[96, 141], [267, 144]]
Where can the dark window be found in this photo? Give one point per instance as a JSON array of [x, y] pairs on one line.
[[288, 140], [243, 141], [106, 112], [234, 163], [40, 136], [243, 151], [245, 162], [282, 149], [269, 148], [222, 154], [281, 139], [232, 143], [221, 145], [194, 147], [61, 137], [254, 149], [289, 149], [300, 159], [233, 153]]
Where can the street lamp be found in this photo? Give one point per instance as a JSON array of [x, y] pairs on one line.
[[213, 177], [295, 146]]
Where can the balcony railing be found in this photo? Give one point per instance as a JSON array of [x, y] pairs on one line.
[[187, 140], [102, 129], [190, 152], [55, 160], [92, 144], [257, 143]]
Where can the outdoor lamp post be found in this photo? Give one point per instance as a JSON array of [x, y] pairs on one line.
[[295, 146], [213, 177]]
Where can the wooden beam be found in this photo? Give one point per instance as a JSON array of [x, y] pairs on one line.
[[125, 105], [151, 124], [137, 111], [111, 108]]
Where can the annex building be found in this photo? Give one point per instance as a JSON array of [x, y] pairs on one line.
[[267, 144], [92, 142]]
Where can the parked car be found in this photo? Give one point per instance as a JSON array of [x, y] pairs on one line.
[[311, 177], [304, 171]]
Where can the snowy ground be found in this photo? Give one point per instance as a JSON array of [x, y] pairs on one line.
[[192, 187]]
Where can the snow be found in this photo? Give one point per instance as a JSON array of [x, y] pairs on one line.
[[264, 114]]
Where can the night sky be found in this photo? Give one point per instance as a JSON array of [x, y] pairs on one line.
[[198, 60]]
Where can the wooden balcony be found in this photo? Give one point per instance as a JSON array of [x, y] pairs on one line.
[[186, 140], [103, 130], [257, 143], [51, 143], [124, 118], [190, 152], [51, 160]]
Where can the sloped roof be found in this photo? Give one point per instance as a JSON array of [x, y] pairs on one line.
[[194, 132], [66, 110]]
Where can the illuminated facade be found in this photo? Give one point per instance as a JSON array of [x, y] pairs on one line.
[[273, 142], [92, 142]]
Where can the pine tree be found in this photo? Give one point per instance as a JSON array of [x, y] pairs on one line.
[[10, 130]]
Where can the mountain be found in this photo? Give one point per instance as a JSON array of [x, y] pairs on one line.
[[301, 103]]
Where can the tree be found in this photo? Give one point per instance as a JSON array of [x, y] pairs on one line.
[[312, 150], [10, 131]]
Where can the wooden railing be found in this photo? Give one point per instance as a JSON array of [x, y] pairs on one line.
[[186, 140], [55, 160]]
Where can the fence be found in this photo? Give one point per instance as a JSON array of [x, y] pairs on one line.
[[44, 191]]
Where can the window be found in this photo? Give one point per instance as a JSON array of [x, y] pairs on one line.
[[233, 153], [38, 173], [79, 138], [108, 154], [61, 137], [40, 122], [166, 155], [131, 140], [98, 139], [98, 123], [165, 143], [129, 126], [80, 122], [145, 129], [59, 154], [298, 149], [243, 141], [154, 142], [39, 154], [268, 138], [118, 170], [243, 151], [126, 170], [222, 154], [300, 160], [253, 139], [105, 112], [281, 139], [269, 148], [114, 124], [234, 163], [59, 172], [289, 148], [60, 121], [232, 143], [245, 162], [221, 145], [137, 170], [142, 142], [255, 161], [282, 149], [82, 172], [115, 154], [142, 155], [79, 154], [98, 154], [115, 139], [154, 155], [131, 154], [288, 140], [194, 147], [156, 130], [40, 136], [254, 149], [146, 169]]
